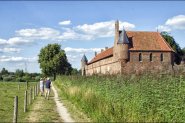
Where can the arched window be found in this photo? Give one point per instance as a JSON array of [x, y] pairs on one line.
[[140, 57], [151, 58], [161, 57]]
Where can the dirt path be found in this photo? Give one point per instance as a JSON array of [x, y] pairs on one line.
[[33, 116], [61, 108], [43, 110]]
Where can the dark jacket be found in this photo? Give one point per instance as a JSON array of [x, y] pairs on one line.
[[48, 83]]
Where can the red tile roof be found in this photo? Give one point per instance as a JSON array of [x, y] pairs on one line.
[[148, 41], [143, 41], [102, 55]]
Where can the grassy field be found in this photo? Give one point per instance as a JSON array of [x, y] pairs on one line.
[[8, 91], [131, 98]]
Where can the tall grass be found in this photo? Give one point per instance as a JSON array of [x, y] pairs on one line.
[[130, 98]]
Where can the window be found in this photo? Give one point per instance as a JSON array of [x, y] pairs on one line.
[[140, 57], [161, 57], [151, 57]]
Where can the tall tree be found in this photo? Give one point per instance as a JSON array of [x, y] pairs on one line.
[[171, 41], [53, 60], [4, 71], [19, 73]]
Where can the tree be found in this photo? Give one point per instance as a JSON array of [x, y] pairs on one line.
[[183, 57], [4, 72], [171, 41], [53, 61], [74, 71], [19, 73]]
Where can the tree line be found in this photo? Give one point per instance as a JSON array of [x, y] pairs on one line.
[[18, 76]]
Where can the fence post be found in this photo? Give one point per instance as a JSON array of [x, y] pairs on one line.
[[30, 95], [15, 109], [26, 85], [18, 86], [25, 101], [33, 92], [36, 89]]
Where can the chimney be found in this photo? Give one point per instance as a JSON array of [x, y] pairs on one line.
[[101, 50], [116, 32], [95, 53], [106, 48]]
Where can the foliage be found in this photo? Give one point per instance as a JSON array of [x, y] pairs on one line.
[[8, 78], [127, 98], [18, 76], [19, 73], [183, 50], [171, 41], [4, 71], [53, 60], [75, 72]]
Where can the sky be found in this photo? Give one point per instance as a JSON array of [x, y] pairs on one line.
[[79, 27]]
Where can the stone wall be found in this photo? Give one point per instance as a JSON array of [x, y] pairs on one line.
[[105, 66], [133, 66], [146, 65]]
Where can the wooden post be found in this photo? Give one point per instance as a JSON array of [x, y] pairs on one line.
[[33, 92], [30, 95], [18, 86], [36, 89], [25, 101], [15, 109], [26, 85]]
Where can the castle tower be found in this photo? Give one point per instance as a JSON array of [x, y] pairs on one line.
[[121, 44], [84, 62]]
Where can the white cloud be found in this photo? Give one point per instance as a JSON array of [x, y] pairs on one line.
[[80, 32], [15, 41], [74, 55], [16, 59], [67, 22], [8, 50], [93, 31], [81, 50], [162, 28], [40, 33], [177, 22], [18, 41], [3, 42]]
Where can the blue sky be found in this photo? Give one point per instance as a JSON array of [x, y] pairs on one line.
[[80, 27]]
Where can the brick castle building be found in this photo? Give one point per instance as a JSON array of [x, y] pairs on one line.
[[134, 52]]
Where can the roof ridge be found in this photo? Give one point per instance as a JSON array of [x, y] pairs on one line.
[[165, 42], [143, 31]]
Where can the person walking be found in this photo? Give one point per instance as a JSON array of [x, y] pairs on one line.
[[41, 86], [48, 86]]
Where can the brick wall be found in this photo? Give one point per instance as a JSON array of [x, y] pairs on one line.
[[133, 66]]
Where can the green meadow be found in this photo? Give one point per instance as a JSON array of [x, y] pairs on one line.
[[126, 98], [8, 91]]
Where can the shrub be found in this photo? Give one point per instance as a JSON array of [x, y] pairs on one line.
[[8, 78]]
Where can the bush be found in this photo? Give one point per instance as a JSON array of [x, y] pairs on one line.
[[20, 80], [8, 78]]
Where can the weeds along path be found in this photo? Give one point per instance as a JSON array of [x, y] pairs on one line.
[[61, 108], [43, 110]]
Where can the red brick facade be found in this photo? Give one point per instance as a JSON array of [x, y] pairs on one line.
[[133, 52]]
